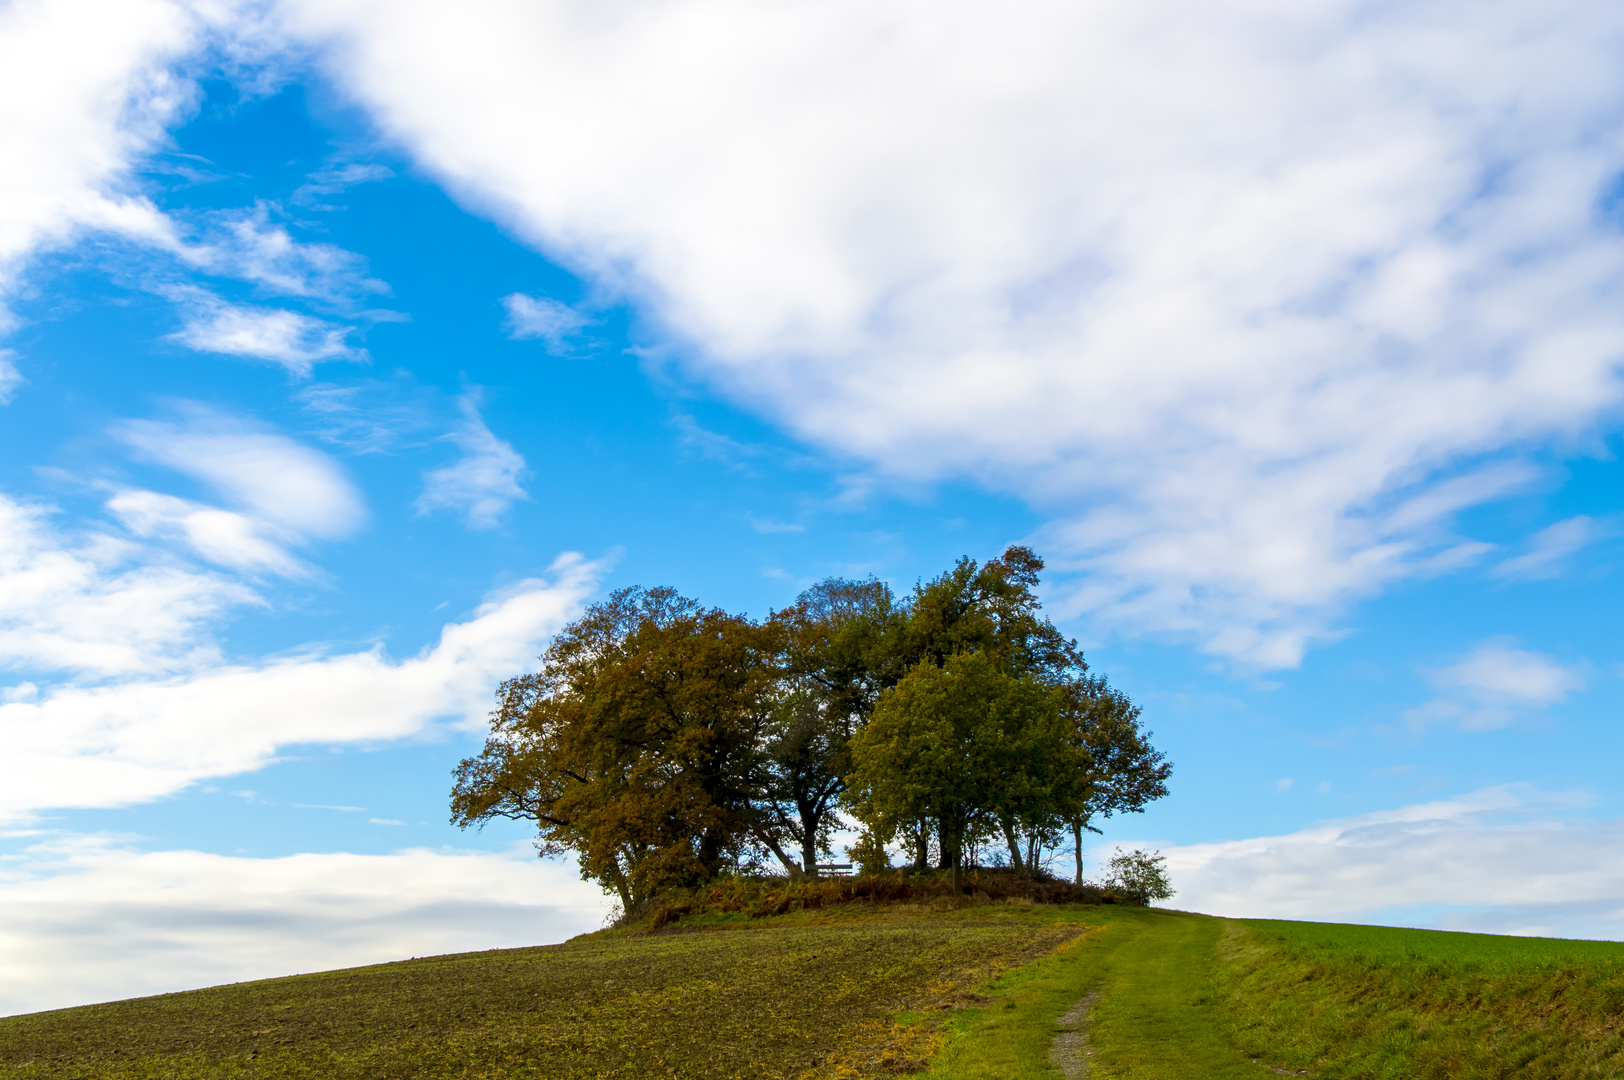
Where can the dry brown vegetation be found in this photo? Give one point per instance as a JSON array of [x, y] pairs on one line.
[[810, 995]]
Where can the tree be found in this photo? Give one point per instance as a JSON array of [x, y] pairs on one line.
[[636, 745], [1111, 766], [1140, 875], [834, 644], [950, 744]]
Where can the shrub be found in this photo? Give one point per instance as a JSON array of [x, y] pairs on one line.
[[869, 855], [1139, 875], [761, 897]]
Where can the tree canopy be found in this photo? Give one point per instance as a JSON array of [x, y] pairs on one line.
[[664, 742]]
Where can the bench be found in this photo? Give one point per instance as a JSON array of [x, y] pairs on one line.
[[837, 869]]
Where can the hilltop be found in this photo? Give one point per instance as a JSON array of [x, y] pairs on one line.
[[965, 989]]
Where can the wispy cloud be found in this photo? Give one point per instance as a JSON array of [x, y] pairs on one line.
[[223, 537], [282, 483], [1495, 685], [333, 179], [90, 606], [85, 919], [294, 340], [372, 416], [145, 737], [10, 377], [484, 482], [769, 527], [1548, 549], [539, 317], [1505, 859], [248, 244]]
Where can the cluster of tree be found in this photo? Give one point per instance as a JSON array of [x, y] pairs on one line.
[[665, 742]]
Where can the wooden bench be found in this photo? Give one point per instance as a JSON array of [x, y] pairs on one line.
[[837, 869]]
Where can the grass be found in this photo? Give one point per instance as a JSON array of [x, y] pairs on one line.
[[1157, 1015], [1185, 996], [808, 994], [731, 990], [1378, 1003]]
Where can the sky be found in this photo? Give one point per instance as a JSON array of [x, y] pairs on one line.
[[349, 349]]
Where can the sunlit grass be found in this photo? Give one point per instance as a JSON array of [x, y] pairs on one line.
[[1363, 1001]]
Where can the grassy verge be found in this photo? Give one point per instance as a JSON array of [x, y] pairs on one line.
[[1373, 1002], [1157, 1016], [803, 995]]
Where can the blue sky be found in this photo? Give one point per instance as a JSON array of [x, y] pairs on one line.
[[350, 349]]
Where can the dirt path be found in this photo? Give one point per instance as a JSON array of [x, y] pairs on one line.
[[1070, 1049]]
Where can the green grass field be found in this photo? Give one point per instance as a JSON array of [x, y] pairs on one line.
[[968, 994], [1362, 1001]]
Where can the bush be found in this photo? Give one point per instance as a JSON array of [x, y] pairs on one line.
[[869, 855], [761, 897], [1140, 876]]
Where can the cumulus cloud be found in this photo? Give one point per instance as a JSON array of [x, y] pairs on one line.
[[1494, 685], [85, 920], [539, 317], [294, 340], [1227, 291], [1504, 860], [91, 605], [288, 487], [483, 483], [141, 739]]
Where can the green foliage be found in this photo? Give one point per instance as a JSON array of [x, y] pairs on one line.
[[636, 744], [869, 855], [957, 744], [665, 743], [1139, 875]]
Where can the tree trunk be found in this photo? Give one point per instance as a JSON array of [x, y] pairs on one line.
[[1077, 846], [922, 852], [809, 847], [766, 837], [1032, 850], [958, 875], [1013, 841]]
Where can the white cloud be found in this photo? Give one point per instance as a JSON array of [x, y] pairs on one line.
[[294, 340], [86, 90], [10, 377], [539, 317], [142, 739], [1549, 548], [246, 244], [483, 483], [1494, 685], [336, 178], [285, 485], [1504, 859], [91, 605], [220, 536], [82, 920], [1226, 290]]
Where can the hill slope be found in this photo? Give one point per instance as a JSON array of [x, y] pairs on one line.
[[871, 991]]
